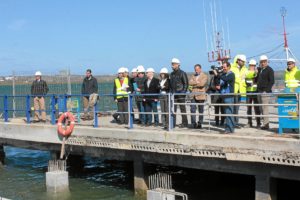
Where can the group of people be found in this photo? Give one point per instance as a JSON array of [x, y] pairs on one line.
[[226, 85]]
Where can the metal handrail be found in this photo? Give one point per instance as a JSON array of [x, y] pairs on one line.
[[171, 104]]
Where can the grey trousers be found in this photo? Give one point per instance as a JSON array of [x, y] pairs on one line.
[[265, 99], [165, 109]]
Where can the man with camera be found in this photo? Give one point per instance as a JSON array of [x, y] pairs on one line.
[[216, 99], [226, 87]]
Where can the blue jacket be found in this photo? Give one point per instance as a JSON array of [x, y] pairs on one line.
[[227, 82]]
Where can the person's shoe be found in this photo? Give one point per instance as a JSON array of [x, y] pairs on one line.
[[258, 126], [183, 126], [265, 127], [194, 125], [35, 121], [248, 126], [237, 126], [199, 125], [43, 121]]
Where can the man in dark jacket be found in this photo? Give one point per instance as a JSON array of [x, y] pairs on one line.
[[265, 83], [39, 89], [179, 84], [151, 86], [89, 91], [139, 88]]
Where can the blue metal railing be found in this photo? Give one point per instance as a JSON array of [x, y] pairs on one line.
[[64, 98]]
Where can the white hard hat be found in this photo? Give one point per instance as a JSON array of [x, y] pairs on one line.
[[252, 62], [263, 57], [150, 70], [38, 73], [242, 57], [126, 69], [291, 60], [140, 69], [164, 71], [176, 60], [134, 70], [121, 70]]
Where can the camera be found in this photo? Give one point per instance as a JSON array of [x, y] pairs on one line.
[[218, 69]]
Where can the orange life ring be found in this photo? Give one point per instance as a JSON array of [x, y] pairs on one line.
[[67, 116]]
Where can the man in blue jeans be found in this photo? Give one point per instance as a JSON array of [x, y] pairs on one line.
[[227, 79]]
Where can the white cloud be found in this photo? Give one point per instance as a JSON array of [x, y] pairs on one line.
[[17, 25]]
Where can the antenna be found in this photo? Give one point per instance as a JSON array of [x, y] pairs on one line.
[[287, 50], [286, 47], [205, 26], [218, 53]]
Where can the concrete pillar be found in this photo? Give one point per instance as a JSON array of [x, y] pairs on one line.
[[265, 188], [57, 181], [2, 155], [140, 182]]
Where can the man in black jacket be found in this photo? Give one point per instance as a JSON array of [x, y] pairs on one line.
[[151, 86], [39, 89], [179, 84], [265, 83], [89, 91]]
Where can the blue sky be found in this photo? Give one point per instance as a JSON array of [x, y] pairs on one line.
[[103, 35]]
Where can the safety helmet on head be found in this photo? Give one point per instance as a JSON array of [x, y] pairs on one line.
[[126, 70], [164, 71], [134, 70], [252, 62], [291, 60], [242, 58], [263, 57], [38, 73], [150, 70], [121, 70], [176, 61], [140, 69]]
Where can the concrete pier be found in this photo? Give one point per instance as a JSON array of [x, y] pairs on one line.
[[140, 182], [57, 181], [2, 155], [265, 188], [265, 156]]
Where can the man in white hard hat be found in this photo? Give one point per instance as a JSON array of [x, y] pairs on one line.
[[89, 90], [251, 82], [265, 83], [140, 80], [39, 89], [179, 84], [120, 91], [151, 86], [197, 84], [292, 75], [164, 85]]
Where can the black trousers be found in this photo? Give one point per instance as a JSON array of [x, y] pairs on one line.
[[123, 107], [218, 110], [180, 99], [253, 99]]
